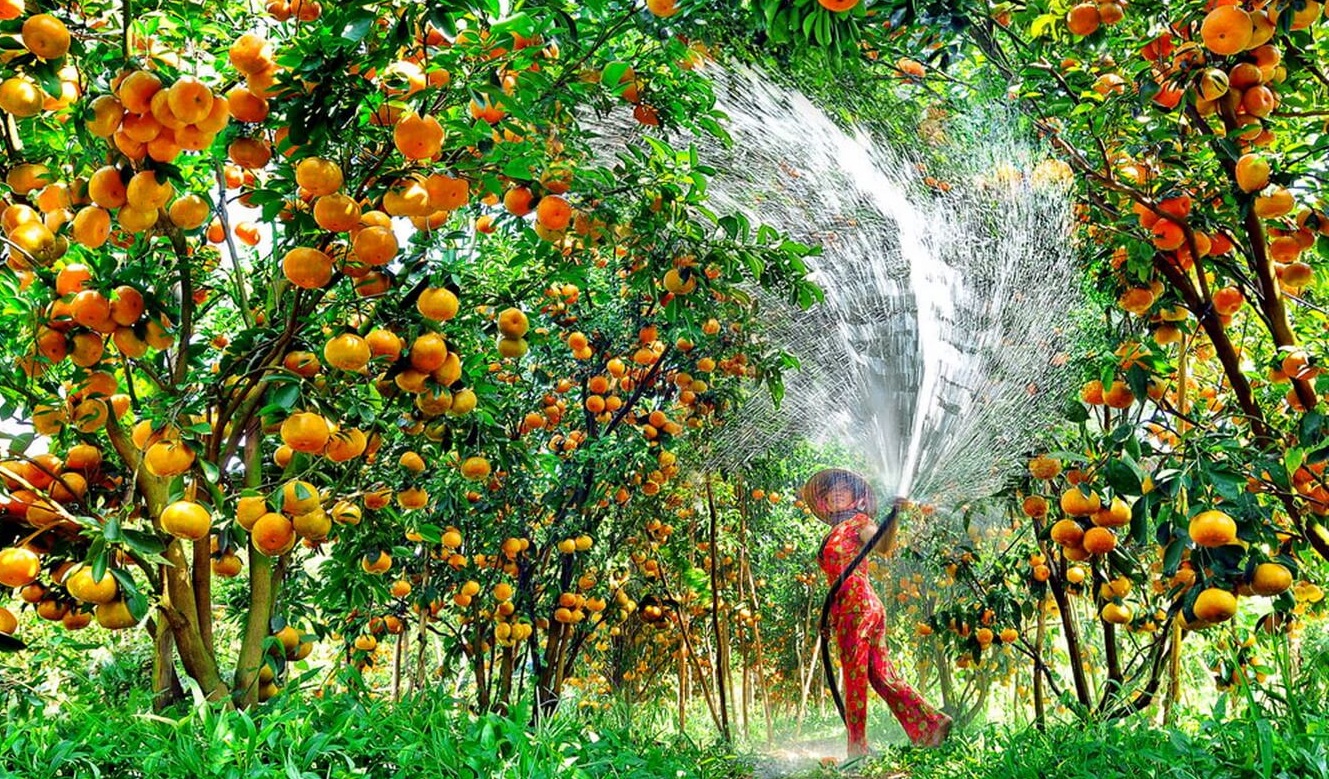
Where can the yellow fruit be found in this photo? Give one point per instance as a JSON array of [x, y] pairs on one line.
[[1270, 579], [1213, 528], [1215, 605]]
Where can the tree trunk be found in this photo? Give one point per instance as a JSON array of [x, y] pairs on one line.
[[1040, 634], [720, 658], [397, 650], [166, 689], [262, 592]]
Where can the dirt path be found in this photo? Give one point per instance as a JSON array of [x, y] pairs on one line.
[[801, 759]]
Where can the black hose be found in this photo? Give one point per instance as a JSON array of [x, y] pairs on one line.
[[825, 631]]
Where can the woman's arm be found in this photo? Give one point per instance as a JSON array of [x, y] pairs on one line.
[[887, 542]]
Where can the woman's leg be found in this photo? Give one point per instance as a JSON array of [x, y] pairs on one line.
[[854, 652], [922, 723]]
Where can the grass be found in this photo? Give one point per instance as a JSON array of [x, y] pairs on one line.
[[341, 737]]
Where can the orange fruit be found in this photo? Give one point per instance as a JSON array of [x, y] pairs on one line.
[[299, 497], [248, 509], [1083, 18], [189, 212], [375, 245], [1213, 528], [437, 304], [1252, 172], [1227, 30], [347, 352], [319, 176], [305, 432], [1067, 533], [337, 213], [475, 468], [190, 100], [46, 36], [417, 137], [1270, 579], [1099, 541], [553, 212], [273, 534], [1078, 504], [1044, 467], [307, 267], [186, 519], [168, 458], [428, 352], [1215, 605], [19, 566]]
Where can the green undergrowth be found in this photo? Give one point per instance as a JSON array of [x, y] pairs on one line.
[[335, 737], [1253, 747]]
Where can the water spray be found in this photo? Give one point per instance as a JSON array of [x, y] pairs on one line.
[[937, 332]]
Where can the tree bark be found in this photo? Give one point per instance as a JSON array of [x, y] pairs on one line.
[[166, 689], [720, 658], [263, 582]]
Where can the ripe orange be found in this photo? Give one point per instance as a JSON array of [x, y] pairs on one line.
[[553, 212], [1083, 19], [376, 563], [146, 192], [1115, 514], [248, 509], [1270, 579], [428, 352], [518, 201], [375, 245], [319, 176], [1213, 528], [416, 137], [115, 615], [337, 212], [384, 343], [19, 566], [168, 458], [1078, 504], [347, 352], [305, 432], [1099, 541], [475, 468], [1067, 533], [1116, 613], [438, 304], [190, 100], [1252, 171], [346, 444], [307, 267], [447, 193], [46, 36], [186, 519], [1215, 605], [1227, 30], [299, 497], [273, 534]]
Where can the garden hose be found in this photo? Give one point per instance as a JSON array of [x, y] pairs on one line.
[[824, 631]]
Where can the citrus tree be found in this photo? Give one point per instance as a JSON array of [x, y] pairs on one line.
[[337, 302]]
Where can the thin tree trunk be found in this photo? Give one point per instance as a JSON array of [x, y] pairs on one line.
[[397, 649], [682, 690], [203, 590], [1040, 635], [263, 578], [1174, 675], [422, 637], [720, 659]]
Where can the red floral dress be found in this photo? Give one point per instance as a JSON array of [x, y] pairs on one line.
[[860, 630]]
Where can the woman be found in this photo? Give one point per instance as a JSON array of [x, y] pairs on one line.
[[845, 501]]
